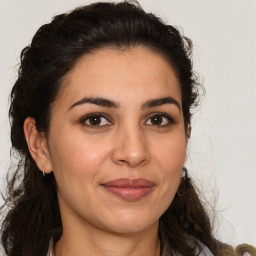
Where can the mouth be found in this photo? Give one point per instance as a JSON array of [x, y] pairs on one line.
[[129, 189]]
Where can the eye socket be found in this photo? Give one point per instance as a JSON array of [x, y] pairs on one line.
[[160, 119], [95, 120]]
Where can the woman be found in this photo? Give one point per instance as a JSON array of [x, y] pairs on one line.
[[100, 116]]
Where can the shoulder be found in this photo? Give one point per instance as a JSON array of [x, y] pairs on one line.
[[201, 249], [204, 251]]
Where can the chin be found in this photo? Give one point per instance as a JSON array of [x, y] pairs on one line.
[[131, 229], [127, 224]]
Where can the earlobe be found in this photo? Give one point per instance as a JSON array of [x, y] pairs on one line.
[[37, 145]]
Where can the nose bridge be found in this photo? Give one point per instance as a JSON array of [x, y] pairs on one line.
[[130, 145]]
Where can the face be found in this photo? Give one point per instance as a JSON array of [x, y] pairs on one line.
[[117, 141]]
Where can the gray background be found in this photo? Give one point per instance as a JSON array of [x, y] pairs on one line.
[[222, 150]]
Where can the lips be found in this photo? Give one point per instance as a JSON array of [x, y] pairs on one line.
[[129, 189]]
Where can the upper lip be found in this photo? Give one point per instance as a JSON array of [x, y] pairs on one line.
[[128, 183]]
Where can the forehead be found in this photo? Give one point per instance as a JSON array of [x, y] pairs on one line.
[[128, 73]]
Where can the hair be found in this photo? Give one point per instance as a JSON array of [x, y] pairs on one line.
[[33, 216]]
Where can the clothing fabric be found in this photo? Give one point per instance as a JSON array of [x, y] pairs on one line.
[[51, 249], [166, 249], [203, 251]]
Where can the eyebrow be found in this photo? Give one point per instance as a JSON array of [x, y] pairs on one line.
[[103, 102], [159, 102], [97, 101]]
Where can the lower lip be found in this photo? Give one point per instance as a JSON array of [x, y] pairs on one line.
[[130, 193]]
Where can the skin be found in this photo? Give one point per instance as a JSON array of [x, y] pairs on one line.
[[126, 143]]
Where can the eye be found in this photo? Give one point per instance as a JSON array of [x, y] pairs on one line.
[[95, 120], [160, 119]]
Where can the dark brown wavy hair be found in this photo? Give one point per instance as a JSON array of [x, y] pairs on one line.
[[32, 215]]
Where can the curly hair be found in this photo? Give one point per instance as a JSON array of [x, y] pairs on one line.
[[33, 216]]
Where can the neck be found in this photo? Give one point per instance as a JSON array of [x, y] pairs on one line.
[[76, 240]]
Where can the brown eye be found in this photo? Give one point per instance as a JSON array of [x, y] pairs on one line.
[[159, 120], [95, 120], [156, 120]]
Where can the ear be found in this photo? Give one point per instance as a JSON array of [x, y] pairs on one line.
[[37, 145]]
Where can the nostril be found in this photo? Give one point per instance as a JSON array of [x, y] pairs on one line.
[[132, 163], [130, 150], [123, 161]]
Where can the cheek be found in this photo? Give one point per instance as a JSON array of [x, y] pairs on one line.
[[77, 157], [77, 165], [170, 154], [169, 158]]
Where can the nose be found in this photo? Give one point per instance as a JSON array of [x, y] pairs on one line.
[[130, 148]]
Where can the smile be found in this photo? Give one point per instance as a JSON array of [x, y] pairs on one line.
[[128, 189]]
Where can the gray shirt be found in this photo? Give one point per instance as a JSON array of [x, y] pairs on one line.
[[165, 250]]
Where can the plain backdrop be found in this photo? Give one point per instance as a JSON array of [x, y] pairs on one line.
[[222, 150]]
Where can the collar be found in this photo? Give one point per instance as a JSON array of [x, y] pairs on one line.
[[166, 249]]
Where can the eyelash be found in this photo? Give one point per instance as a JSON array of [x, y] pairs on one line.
[[169, 119], [94, 115]]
